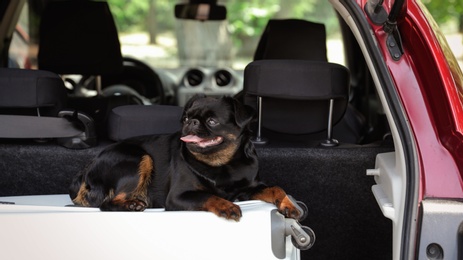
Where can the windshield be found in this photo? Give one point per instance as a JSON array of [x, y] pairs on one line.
[[149, 31], [204, 43]]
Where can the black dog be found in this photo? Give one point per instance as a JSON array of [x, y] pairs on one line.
[[206, 166]]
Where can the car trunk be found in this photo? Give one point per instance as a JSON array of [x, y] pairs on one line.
[[332, 182]]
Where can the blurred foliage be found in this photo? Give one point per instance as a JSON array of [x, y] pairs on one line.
[[130, 15], [250, 17], [445, 12], [247, 18]]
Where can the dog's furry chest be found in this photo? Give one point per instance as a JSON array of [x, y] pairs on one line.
[[226, 181]]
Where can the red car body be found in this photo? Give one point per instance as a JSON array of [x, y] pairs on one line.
[[428, 83], [433, 102]]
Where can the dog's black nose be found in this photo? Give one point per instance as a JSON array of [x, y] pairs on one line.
[[193, 122]]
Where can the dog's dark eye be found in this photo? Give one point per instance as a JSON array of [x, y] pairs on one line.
[[212, 122], [185, 119]]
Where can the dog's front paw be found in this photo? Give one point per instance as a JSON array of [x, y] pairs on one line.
[[289, 208], [223, 208], [285, 204], [135, 205], [122, 204]]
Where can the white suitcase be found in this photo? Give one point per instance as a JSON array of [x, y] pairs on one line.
[[43, 227]]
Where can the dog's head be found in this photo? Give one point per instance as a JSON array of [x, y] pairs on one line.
[[215, 128]]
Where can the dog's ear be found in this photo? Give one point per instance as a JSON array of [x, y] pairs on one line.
[[243, 114]]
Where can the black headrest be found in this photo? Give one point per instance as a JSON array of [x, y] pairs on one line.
[[20, 88], [292, 39], [79, 37], [297, 93], [296, 79], [136, 120]]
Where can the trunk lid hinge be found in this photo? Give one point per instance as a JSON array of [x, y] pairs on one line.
[[378, 15]]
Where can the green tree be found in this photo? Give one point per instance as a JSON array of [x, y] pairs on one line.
[[128, 14], [153, 16], [249, 18], [451, 10]]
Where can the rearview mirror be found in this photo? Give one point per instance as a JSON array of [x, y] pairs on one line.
[[201, 12]]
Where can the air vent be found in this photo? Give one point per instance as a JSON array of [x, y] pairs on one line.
[[194, 78], [223, 78]]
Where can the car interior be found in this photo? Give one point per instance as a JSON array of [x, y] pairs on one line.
[[315, 135]]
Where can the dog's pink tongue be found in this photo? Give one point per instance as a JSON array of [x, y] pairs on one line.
[[191, 139]]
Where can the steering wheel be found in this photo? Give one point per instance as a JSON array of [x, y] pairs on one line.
[[141, 77], [137, 77]]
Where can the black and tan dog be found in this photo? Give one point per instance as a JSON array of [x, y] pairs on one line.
[[206, 166]]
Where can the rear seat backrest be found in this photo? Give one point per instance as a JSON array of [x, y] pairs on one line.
[[31, 107]]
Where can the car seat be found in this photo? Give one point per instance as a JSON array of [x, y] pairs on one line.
[[292, 39], [295, 39], [32, 106], [297, 99], [80, 37], [136, 120]]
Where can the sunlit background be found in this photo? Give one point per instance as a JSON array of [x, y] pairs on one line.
[[150, 32], [154, 39]]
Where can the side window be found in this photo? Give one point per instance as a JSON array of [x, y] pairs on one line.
[[18, 54]]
